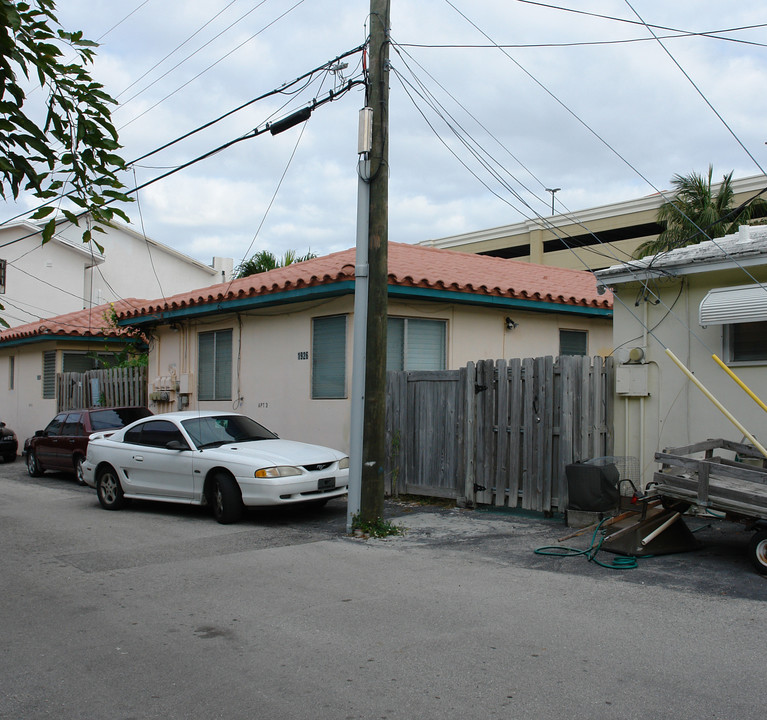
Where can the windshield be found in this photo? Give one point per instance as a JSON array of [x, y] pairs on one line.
[[114, 418], [223, 429]]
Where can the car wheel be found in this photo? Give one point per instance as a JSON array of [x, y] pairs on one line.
[[33, 466], [79, 470], [109, 490], [757, 550], [225, 499], [9, 458]]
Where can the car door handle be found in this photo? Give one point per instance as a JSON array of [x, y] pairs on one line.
[[138, 458]]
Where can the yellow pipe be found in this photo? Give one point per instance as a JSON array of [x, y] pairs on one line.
[[740, 382], [719, 405]]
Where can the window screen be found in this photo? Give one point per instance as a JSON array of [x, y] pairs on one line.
[[215, 365], [329, 357], [415, 344], [573, 342], [747, 342], [49, 374]]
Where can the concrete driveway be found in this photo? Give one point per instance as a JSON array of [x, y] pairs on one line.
[[159, 612]]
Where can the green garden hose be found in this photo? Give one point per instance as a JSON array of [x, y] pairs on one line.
[[620, 562]]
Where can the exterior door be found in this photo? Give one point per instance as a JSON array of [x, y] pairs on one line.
[[151, 468]]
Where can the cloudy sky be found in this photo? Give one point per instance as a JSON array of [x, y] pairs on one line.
[[588, 101]]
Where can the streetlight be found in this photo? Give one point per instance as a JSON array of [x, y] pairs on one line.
[[552, 191]]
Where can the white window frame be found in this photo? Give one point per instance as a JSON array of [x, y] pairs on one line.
[[408, 361], [328, 381], [573, 331], [214, 382]]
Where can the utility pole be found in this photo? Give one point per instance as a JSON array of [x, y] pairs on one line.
[[374, 425]]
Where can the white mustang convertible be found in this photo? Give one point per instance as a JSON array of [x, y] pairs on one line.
[[223, 460]]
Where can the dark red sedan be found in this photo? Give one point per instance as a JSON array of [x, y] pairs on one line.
[[64, 442]]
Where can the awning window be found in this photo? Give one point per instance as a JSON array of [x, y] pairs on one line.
[[726, 306]]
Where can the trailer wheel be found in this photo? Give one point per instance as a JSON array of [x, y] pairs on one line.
[[757, 550]]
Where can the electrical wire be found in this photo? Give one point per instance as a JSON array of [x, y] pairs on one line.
[[698, 90], [178, 47], [584, 43], [285, 88], [212, 65]]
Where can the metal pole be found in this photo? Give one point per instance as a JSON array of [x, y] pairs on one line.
[[359, 343]]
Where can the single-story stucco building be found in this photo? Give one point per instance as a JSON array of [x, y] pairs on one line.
[[278, 346]]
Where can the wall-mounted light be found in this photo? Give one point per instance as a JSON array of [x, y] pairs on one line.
[[510, 324], [174, 327]]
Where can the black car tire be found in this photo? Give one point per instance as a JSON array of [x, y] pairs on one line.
[[225, 499], [109, 490], [33, 466], [9, 458], [757, 551], [79, 459]]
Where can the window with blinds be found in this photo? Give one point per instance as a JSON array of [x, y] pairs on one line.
[[49, 374], [329, 357], [746, 342], [416, 344], [573, 342], [214, 365]]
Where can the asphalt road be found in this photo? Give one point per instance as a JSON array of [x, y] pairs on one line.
[[157, 611]]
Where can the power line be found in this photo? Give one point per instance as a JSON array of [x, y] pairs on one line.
[[212, 65], [692, 82], [188, 57], [587, 43]]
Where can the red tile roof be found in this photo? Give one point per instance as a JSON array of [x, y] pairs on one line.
[[90, 322], [409, 266]]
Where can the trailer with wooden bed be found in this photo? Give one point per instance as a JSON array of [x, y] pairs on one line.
[[733, 483]]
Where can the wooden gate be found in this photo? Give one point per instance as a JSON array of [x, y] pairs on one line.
[[498, 432], [116, 387]]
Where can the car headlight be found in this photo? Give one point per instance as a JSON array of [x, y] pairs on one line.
[[278, 471], [343, 463]]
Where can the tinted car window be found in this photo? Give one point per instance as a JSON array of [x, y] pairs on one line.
[[156, 433], [73, 425], [54, 426], [116, 417], [221, 429]]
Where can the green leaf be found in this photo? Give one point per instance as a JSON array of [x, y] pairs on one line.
[[42, 212], [48, 229]]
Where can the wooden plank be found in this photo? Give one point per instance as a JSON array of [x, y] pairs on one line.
[[501, 479], [567, 402], [469, 373], [485, 442], [515, 412], [547, 430], [584, 422], [528, 425]]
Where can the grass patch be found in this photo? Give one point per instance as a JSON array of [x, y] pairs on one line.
[[377, 528]]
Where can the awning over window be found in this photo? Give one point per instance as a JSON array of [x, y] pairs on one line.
[[724, 306]]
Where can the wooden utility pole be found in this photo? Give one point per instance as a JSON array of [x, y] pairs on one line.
[[374, 426]]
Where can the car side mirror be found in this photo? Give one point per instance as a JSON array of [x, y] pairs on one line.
[[176, 445], [39, 433]]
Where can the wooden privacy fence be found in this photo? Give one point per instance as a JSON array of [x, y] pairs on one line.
[[498, 432], [115, 387]]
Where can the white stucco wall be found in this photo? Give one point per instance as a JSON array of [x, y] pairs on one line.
[[23, 408], [275, 384], [675, 413]]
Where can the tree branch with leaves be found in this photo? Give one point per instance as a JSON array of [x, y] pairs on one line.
[[71, 152]]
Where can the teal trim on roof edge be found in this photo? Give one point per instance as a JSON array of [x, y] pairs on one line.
[[62, 338], [499, 302], [347, 288]]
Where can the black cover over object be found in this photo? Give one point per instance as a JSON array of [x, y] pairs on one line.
[[592, 488]]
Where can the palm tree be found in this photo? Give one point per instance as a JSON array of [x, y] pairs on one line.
[[265, 260], [696, 213]]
